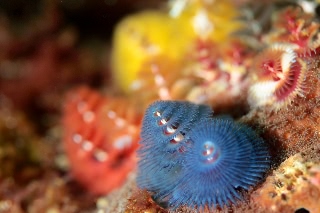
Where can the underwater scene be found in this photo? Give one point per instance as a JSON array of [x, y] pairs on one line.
[[160, 106]]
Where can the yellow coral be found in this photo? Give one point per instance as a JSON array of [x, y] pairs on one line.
[[147, 34], [140, 37], [207, 19]]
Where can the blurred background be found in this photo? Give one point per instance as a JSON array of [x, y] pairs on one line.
[[46, 48]]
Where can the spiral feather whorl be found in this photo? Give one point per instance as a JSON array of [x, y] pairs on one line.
[[164, 128], [279, 77], [225, 156], [216, 158]]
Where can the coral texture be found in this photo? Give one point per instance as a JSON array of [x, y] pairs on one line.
[[295, 127], [294, 185]]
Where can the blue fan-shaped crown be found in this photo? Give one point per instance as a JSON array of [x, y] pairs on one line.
[[189, 158], [224, 158], [164, 138]]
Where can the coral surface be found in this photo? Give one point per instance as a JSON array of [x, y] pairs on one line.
[[292, 186]]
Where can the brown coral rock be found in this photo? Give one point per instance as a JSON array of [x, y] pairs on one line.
[[294, 185], [294, 128], [142, 202]]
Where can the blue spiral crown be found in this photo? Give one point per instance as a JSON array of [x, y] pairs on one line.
[[189, 158]]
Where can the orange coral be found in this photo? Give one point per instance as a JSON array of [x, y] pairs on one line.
[[290, 187], [100, 138], [314, 177]]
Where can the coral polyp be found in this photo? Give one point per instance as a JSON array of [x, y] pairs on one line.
[[278, 77], [220, 155]]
